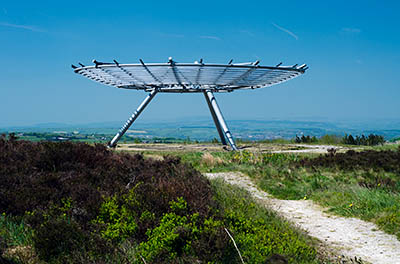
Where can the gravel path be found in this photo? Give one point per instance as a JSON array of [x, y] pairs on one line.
[[259, 147], [311, 149], [350, 237]]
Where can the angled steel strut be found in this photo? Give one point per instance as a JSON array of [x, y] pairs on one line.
[[214, 116], [132, 119], [219, 118]]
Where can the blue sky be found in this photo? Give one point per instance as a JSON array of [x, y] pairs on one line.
[[352, 48]]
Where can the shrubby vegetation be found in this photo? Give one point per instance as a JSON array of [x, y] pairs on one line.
[[364, 184], [385, 160], [76, 203]]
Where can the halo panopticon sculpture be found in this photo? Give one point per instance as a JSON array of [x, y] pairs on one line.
[[197, 77]]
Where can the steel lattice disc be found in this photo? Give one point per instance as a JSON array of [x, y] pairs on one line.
[[189, 77]]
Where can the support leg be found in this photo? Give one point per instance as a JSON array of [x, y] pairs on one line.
[[217, 124], [132, 119], [221, 119]]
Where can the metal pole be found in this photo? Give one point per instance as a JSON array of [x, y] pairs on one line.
[[217, 124], [221, 119], [132, 119]]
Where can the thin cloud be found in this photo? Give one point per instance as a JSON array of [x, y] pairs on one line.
[[210, 37], [26, 27], [286, 31], [247, 32], [172, 35], [351, 30]]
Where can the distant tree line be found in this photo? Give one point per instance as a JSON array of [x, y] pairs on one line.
[[305, 139], [371, 140]]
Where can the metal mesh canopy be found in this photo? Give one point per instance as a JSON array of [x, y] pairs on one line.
[[176, 77], [189, 77]]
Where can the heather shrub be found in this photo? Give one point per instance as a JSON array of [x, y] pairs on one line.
[[87, 197], [58, 238], [385, 160], [48, 172]]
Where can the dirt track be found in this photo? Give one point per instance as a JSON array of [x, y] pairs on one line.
[[350, 237], [260, 147]]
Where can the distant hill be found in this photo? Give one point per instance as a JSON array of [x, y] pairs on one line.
[[202, 128]]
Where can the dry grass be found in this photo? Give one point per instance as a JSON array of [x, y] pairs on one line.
[[24, 254], [210, 161]]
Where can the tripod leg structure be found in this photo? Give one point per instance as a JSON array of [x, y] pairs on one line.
[[220, 119], [132, 119], [214, 116]]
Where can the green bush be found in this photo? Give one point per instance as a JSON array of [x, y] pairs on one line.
[[117, 220], [181, 238], [171, 239]]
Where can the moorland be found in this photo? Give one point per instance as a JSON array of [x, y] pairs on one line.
[[74, 202]]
